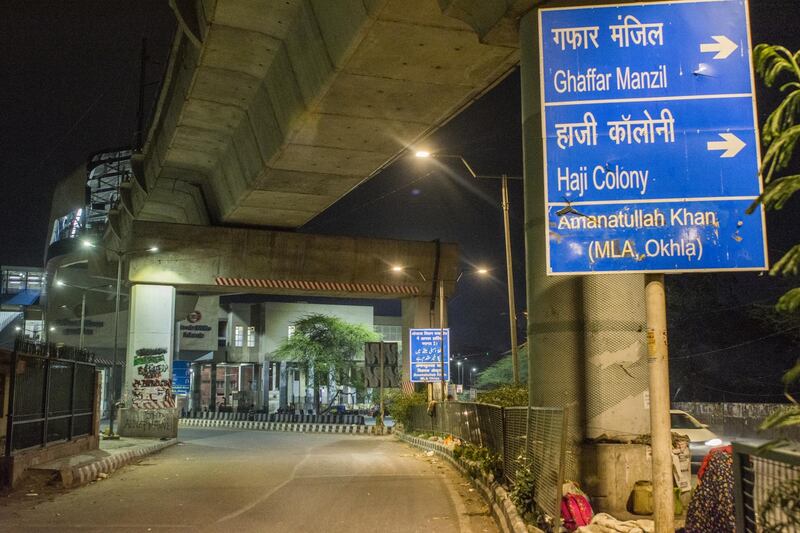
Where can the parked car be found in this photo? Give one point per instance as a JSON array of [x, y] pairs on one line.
[[701, 439]]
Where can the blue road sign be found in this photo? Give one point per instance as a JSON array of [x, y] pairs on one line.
[[426, 354], [650, 138], [180, 377]]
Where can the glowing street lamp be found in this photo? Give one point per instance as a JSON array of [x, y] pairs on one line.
[[512, 313], [83, 290], [442, 303], [120, 255]]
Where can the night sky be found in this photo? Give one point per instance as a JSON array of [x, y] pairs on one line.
[[70, 88]]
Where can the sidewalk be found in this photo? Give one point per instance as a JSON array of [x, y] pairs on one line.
[[113, 454]]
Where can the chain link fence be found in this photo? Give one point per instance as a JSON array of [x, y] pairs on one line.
[[533, 438], [767, 488]]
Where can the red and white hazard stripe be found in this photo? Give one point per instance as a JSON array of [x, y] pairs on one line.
[[318, 286]]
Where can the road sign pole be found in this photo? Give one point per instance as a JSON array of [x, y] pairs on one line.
[[661, 435], [441, 341]]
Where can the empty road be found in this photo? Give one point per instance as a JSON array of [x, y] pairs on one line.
[[230, 480]]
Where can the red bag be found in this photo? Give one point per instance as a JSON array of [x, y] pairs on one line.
[[576, 511]]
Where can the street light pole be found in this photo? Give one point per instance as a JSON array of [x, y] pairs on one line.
[[114, 369], [83, 290], [120, 255], [83, 319], [512, 310], [441, 335]]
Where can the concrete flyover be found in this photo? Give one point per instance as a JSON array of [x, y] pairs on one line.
[[224, 260], [271, 111]]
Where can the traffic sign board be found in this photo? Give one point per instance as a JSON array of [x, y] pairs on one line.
[[650, 138], [425, 349], [180, 377]]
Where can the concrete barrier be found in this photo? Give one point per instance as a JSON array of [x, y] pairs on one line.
[[80, 475]]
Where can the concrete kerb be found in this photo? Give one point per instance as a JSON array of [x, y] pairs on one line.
[[80, 475], [503, 509], [301, 427]]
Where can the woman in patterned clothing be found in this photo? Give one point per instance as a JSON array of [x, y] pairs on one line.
[[712, 509]]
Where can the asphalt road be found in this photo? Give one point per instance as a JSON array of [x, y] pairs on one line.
[[222, 480]]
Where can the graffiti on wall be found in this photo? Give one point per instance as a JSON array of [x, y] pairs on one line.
[[149, 421], [151, 387]]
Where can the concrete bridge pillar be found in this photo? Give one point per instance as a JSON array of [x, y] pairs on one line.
[[586, 334], [149, 405]]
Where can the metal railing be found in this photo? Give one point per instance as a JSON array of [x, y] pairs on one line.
[[766, 488], [535, 438], [52, 395]]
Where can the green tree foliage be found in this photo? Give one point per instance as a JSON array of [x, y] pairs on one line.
[[505, 396], [328, 346], [778, 67], [400, 404], [501, 373]]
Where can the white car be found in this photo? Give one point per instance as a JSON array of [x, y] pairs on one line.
[[701, 439]]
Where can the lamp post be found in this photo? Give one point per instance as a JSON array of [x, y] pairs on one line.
[[120, 255], [512, 312], [460, 374], [83, 290], [442, 303], [472, 377]]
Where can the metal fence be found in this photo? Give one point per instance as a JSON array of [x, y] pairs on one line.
[[534, 438], [52, 395], [767, 488]]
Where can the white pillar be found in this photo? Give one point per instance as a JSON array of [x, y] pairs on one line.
[[149, 406]]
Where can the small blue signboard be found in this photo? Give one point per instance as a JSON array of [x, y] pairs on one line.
[[180, 377], [650, 138], [426, 354]]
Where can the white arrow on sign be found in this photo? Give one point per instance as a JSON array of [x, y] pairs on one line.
[[723, 46], [732, 145]]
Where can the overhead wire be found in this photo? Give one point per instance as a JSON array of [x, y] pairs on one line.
[[745, 343]]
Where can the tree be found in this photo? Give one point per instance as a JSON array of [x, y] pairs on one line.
[[780, 135], [327, 346], [501, 373]]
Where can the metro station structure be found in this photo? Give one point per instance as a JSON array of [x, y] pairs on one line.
[[269, 113]]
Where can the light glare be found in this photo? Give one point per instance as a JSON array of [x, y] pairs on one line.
[[422, 153]]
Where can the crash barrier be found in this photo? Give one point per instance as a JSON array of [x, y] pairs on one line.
[[51, 395], [765, 480], [275, 417], [532, 438]]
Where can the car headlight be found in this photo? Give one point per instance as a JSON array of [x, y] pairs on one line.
[[713, 442]]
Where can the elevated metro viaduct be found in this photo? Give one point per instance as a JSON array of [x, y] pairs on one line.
[[271, 111]]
